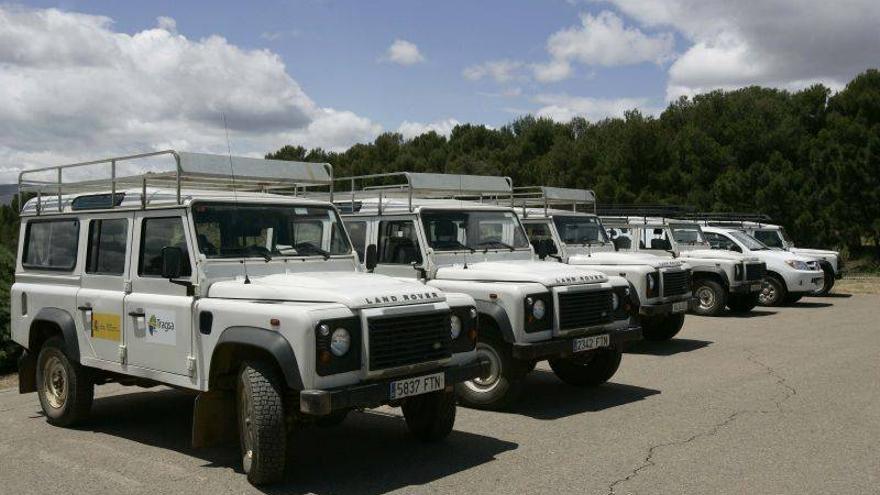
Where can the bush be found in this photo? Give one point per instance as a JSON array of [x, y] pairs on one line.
[[9, 350]]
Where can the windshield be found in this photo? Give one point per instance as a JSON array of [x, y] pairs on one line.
[[580, 230], [454, 230], [257, 230], [690, 234], [748, 241], [771, 238]]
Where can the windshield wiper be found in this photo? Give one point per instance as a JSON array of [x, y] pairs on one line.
[[495, 243], [309, 247]]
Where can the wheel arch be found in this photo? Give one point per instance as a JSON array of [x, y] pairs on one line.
[[719, 276], [498, 317], [49, 322], [239, 344]]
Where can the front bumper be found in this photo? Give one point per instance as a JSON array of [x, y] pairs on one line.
[[661, 309], [804, 281], [563, 347], [377, 393], [747, 287]]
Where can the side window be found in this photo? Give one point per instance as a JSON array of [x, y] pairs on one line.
[[107, 241], [51, 244], [156, 234], [718, 241], [539, 232], [768, 237], [655, 238], [358, 233], [398, 243], [620, 237]]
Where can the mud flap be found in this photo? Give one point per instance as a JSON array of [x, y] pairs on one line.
[[27, 373], [214, 419]]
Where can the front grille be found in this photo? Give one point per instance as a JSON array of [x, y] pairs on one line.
[[755, 271], [408, 339], [675, 283], [584, 309]]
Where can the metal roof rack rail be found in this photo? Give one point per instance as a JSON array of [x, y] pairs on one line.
[[662, 211], [547, 196], [424, 185], [730, 218], [173, 170]]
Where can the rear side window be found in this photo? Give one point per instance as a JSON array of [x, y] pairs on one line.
[[358, 233], [107, 242], [158, 233], [51, 244]]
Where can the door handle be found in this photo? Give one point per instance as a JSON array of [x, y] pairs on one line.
[[84, 308], [137, 314]]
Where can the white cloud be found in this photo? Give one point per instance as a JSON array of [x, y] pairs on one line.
[[780, 43], [555, 70], [443, 127], [403, 52], [502, 71], [71, 87], [563, 108]]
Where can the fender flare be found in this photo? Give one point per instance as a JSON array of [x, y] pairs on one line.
[[714, 271], [62, 320], [272, 342], [499, 315]]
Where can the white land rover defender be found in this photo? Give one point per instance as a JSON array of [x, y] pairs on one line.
[[774, 236], [529, 310], [662, 285], [254, 300], [789, 276], [720, 278]]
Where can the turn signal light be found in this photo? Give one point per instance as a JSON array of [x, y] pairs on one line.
[[472, 334], [324, 357]]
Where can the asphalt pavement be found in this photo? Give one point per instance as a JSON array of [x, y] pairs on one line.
[[782, 401]]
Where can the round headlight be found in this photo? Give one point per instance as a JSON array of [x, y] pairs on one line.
[[615, 301], [650, 282], [538, 309], [455, 326], [340, 341]]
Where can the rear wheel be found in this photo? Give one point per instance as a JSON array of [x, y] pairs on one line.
[[773, 293], [589, 369], [430, 417], [659, 328], [502, 383], [711, 297], [743, 303], [827, 281], [261, 423], [65, 387]]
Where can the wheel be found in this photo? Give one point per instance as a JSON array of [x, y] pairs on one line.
[[711, 297], [659, 328], [587, 370], [335, 418], [65, 388], [743, 303], [773, 293], [827, 281], [261, 423], [503, 383], [430, 417]]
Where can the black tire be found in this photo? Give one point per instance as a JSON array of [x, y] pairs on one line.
[[589, 369], [261, 423], [773, 293], [743, 303], [827, 281], [711, 297], [65, 387], [430, 417], [660, 328], [335, 418], [501, 386]]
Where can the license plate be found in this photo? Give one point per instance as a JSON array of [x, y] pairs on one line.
[[417, 386], [679, 307], [592, 342], [757, 287]]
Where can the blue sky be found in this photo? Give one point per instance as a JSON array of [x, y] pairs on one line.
[[86, 79]]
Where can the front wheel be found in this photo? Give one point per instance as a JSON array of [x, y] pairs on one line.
[[587, 370], [827, 282], [660, 328], [773, 293], [743, 303], [261, 423], [502, 383], [711, 297], [65, 387], [430, 417]]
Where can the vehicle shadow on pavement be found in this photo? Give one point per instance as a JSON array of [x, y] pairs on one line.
[[805, 304], [836, 295], [355, 457], [755, 313], [667, 348], [546, 397]]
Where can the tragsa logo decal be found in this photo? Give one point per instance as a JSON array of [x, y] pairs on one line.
[[153, 325]]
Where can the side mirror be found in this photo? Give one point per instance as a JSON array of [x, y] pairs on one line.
[[371, 258], [545, 247], [736, 248], [172, 262]]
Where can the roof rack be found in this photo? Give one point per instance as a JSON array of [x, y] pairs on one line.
[[663, 211], [426, 185], [730, 217], [170, 169], [547, 197]]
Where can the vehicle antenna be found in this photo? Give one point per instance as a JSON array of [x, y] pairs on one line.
[[247, 279]]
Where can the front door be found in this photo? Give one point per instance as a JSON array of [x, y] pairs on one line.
[[158, 313], [398, 247]]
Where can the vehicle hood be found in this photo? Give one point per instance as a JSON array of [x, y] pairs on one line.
[[716, 254], [781, 256], [618, 258], [817, 253], [353, 289], [549, 274]]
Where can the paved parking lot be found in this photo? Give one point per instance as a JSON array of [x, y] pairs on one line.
[[783, 401]]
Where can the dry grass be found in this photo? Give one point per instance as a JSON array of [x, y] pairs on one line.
[[860, 285], [8, 381]]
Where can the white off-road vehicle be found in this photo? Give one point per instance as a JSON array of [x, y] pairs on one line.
[[774, 236], [572, 236], [789, 276], [254, 300], [720, 278], [529, 310]]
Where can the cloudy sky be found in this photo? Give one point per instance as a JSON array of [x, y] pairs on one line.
[[87, 79]]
